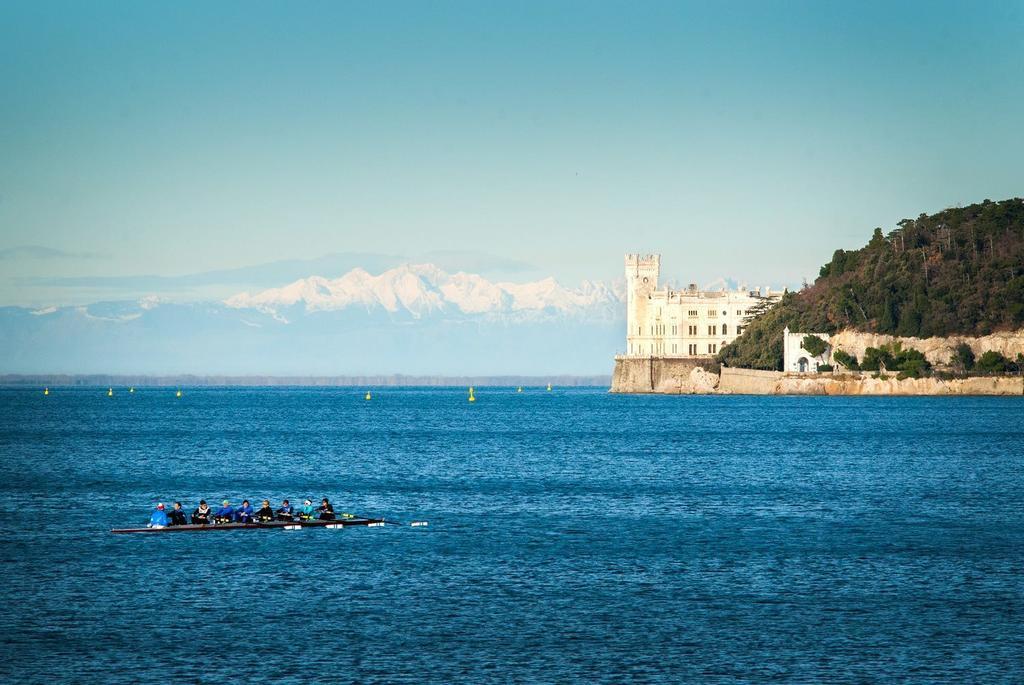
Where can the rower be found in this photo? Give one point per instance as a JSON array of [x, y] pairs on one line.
[[326, 511], [265, 513], [226, 513], [159, 517], [244, 513], [202, 515], [286, 512], [306, 514], [177, 515]]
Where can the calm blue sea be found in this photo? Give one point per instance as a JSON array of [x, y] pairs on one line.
[[574, 536]]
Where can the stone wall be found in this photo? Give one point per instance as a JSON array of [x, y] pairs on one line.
[[663, 375], [749, 382], [689, 376]]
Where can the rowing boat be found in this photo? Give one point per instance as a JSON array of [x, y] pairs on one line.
[[336, 523], [266, 525]]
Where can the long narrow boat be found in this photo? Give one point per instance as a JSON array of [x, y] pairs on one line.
[[269, 525], [336, 523]]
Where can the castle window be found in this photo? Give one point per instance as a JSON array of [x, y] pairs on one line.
[[725, 329], [712, 312], [739, 312], [692, 312], [712, 348], [712, 330], [673, 349]]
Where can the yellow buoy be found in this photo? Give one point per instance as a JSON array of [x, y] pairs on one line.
[[46, 391], [549, 387], [368, 395], [110, 392], [519, 389], [178, 394], [472, 398]]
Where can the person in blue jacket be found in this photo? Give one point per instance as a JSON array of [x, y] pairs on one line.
[[306, 513], [159, 517], [244, 513], [226, 513], [286, 512]]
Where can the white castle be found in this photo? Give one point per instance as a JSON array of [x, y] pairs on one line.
[[688, 323]]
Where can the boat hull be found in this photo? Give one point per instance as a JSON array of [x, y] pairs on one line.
[[269, 525], [190, 528]]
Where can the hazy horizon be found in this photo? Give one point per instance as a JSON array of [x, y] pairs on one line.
[[168, 169], [177, 150]]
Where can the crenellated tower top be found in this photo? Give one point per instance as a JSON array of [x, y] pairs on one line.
[[643, 269]]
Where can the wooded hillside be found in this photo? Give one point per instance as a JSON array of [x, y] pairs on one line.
[[960, 271]]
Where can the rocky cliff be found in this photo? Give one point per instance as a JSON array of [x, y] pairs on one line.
[[663, 375], [688, 377], [747, 382], [938, 350]]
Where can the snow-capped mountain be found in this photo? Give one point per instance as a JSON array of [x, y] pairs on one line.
[[423, 290], [409, 319]]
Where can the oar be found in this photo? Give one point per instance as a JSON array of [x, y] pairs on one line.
[[343, 516], [414, 524]]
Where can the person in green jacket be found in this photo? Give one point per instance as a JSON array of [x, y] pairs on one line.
[[307, 511]]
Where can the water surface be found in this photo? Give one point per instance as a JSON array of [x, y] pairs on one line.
[[574, 536]]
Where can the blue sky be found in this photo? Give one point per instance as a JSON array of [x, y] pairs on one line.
[[522, 140]]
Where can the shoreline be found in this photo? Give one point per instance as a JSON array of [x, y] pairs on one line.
[[57, 380], [668, 376]]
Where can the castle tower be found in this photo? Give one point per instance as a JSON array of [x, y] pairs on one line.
[[642, 273]]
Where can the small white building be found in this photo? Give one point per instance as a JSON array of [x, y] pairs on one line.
[[682, 323], [798, 360]]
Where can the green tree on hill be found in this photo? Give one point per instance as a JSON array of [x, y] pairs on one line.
[[893, 357], [846, 359], [963, 358], [814, 345], [993, 362], [960, 271]]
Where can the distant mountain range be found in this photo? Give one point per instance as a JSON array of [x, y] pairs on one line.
[[412, 319], [420, 291]]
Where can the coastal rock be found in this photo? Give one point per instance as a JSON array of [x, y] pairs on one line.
[[668, 375], [938, 351], [678, 376], [698, 382]]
